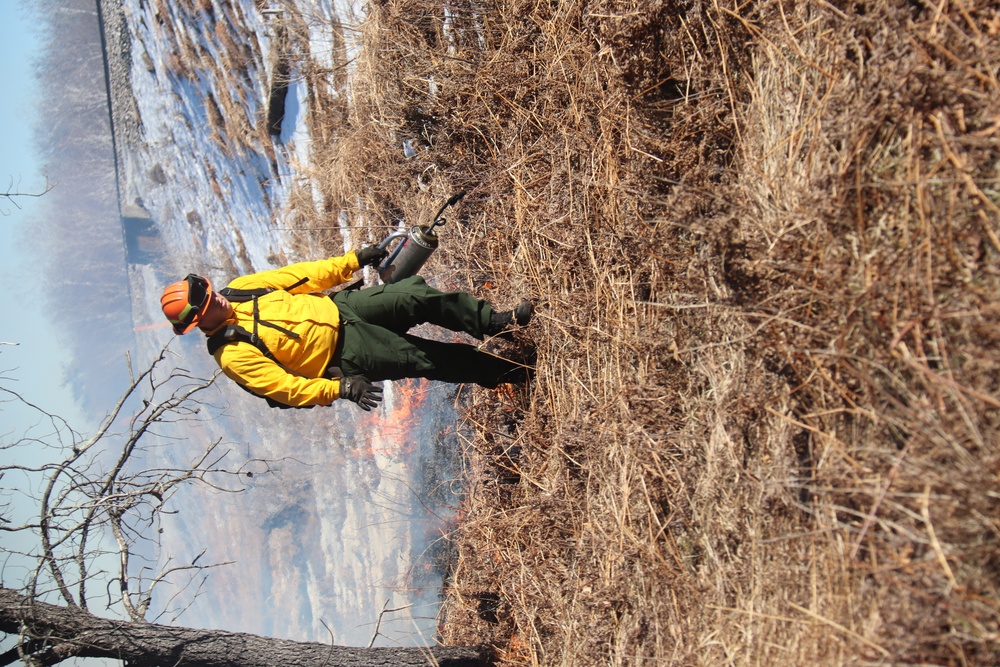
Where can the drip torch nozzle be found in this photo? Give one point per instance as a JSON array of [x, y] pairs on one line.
[[454, 199]]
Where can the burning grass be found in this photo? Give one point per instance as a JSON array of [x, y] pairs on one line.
[[763, 243]]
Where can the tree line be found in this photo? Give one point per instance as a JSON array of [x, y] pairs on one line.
[[77, 233]]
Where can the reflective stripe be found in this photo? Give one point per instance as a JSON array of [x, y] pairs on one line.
[[183, 319]]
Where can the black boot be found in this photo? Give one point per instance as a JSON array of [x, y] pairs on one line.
[[500, 321], [523, 312]]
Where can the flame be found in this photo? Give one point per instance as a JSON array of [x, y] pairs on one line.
[[391, 434], [518, 650], [146, 327], [507, 396]]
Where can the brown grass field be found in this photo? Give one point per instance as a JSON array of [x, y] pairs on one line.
[[763, 243]]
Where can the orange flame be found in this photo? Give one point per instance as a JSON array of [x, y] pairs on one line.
[[394, 430], [146, 327], [506, 395]]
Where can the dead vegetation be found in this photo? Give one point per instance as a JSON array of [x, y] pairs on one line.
[[763, 242], [215, 47]]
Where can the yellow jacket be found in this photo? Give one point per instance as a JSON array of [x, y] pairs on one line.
[[297, 379]]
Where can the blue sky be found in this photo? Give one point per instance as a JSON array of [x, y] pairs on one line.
[[33, 368]]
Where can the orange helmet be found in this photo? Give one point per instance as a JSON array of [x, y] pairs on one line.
[[185, 302]]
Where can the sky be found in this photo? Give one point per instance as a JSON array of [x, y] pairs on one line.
[[34, 367], [30, 359]]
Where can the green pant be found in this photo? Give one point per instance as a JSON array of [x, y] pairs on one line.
[[374, 322]]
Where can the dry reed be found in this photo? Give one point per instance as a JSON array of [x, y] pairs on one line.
[[763, 242]]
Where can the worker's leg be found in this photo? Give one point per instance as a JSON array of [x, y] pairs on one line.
[[381, 354], [400, 306]]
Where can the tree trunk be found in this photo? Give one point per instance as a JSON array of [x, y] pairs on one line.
[[53, 634]]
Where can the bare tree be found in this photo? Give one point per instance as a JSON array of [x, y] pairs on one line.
[[13, 193], [95, 503]]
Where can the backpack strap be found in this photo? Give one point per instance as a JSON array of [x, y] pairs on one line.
[[257, 320], [234, 333], [240, 295]]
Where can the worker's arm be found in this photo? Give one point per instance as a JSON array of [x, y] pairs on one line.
[[244, 363], [319, 275]]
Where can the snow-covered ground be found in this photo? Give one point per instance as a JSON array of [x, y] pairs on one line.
[[338, 529]]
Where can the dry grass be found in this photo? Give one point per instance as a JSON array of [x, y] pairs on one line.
[[215, 47], [763, 242]]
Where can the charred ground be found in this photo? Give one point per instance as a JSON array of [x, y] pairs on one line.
[[763, 242]]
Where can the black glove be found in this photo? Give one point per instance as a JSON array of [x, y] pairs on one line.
[[357, 388], [371, 255]]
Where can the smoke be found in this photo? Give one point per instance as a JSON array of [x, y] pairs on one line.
[[344, 515]]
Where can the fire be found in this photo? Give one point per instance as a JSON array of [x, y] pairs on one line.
[[146, 327], [392, 434], [410, 396], [506, 391], [518, 650]]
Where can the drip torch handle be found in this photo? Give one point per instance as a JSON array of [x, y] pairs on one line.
[[389, 239]]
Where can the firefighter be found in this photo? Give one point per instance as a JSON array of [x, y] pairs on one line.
[[278, 336]]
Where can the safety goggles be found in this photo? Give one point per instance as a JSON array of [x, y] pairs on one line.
[[198, 296]]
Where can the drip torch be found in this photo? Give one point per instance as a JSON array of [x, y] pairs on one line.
[[416, 246]]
